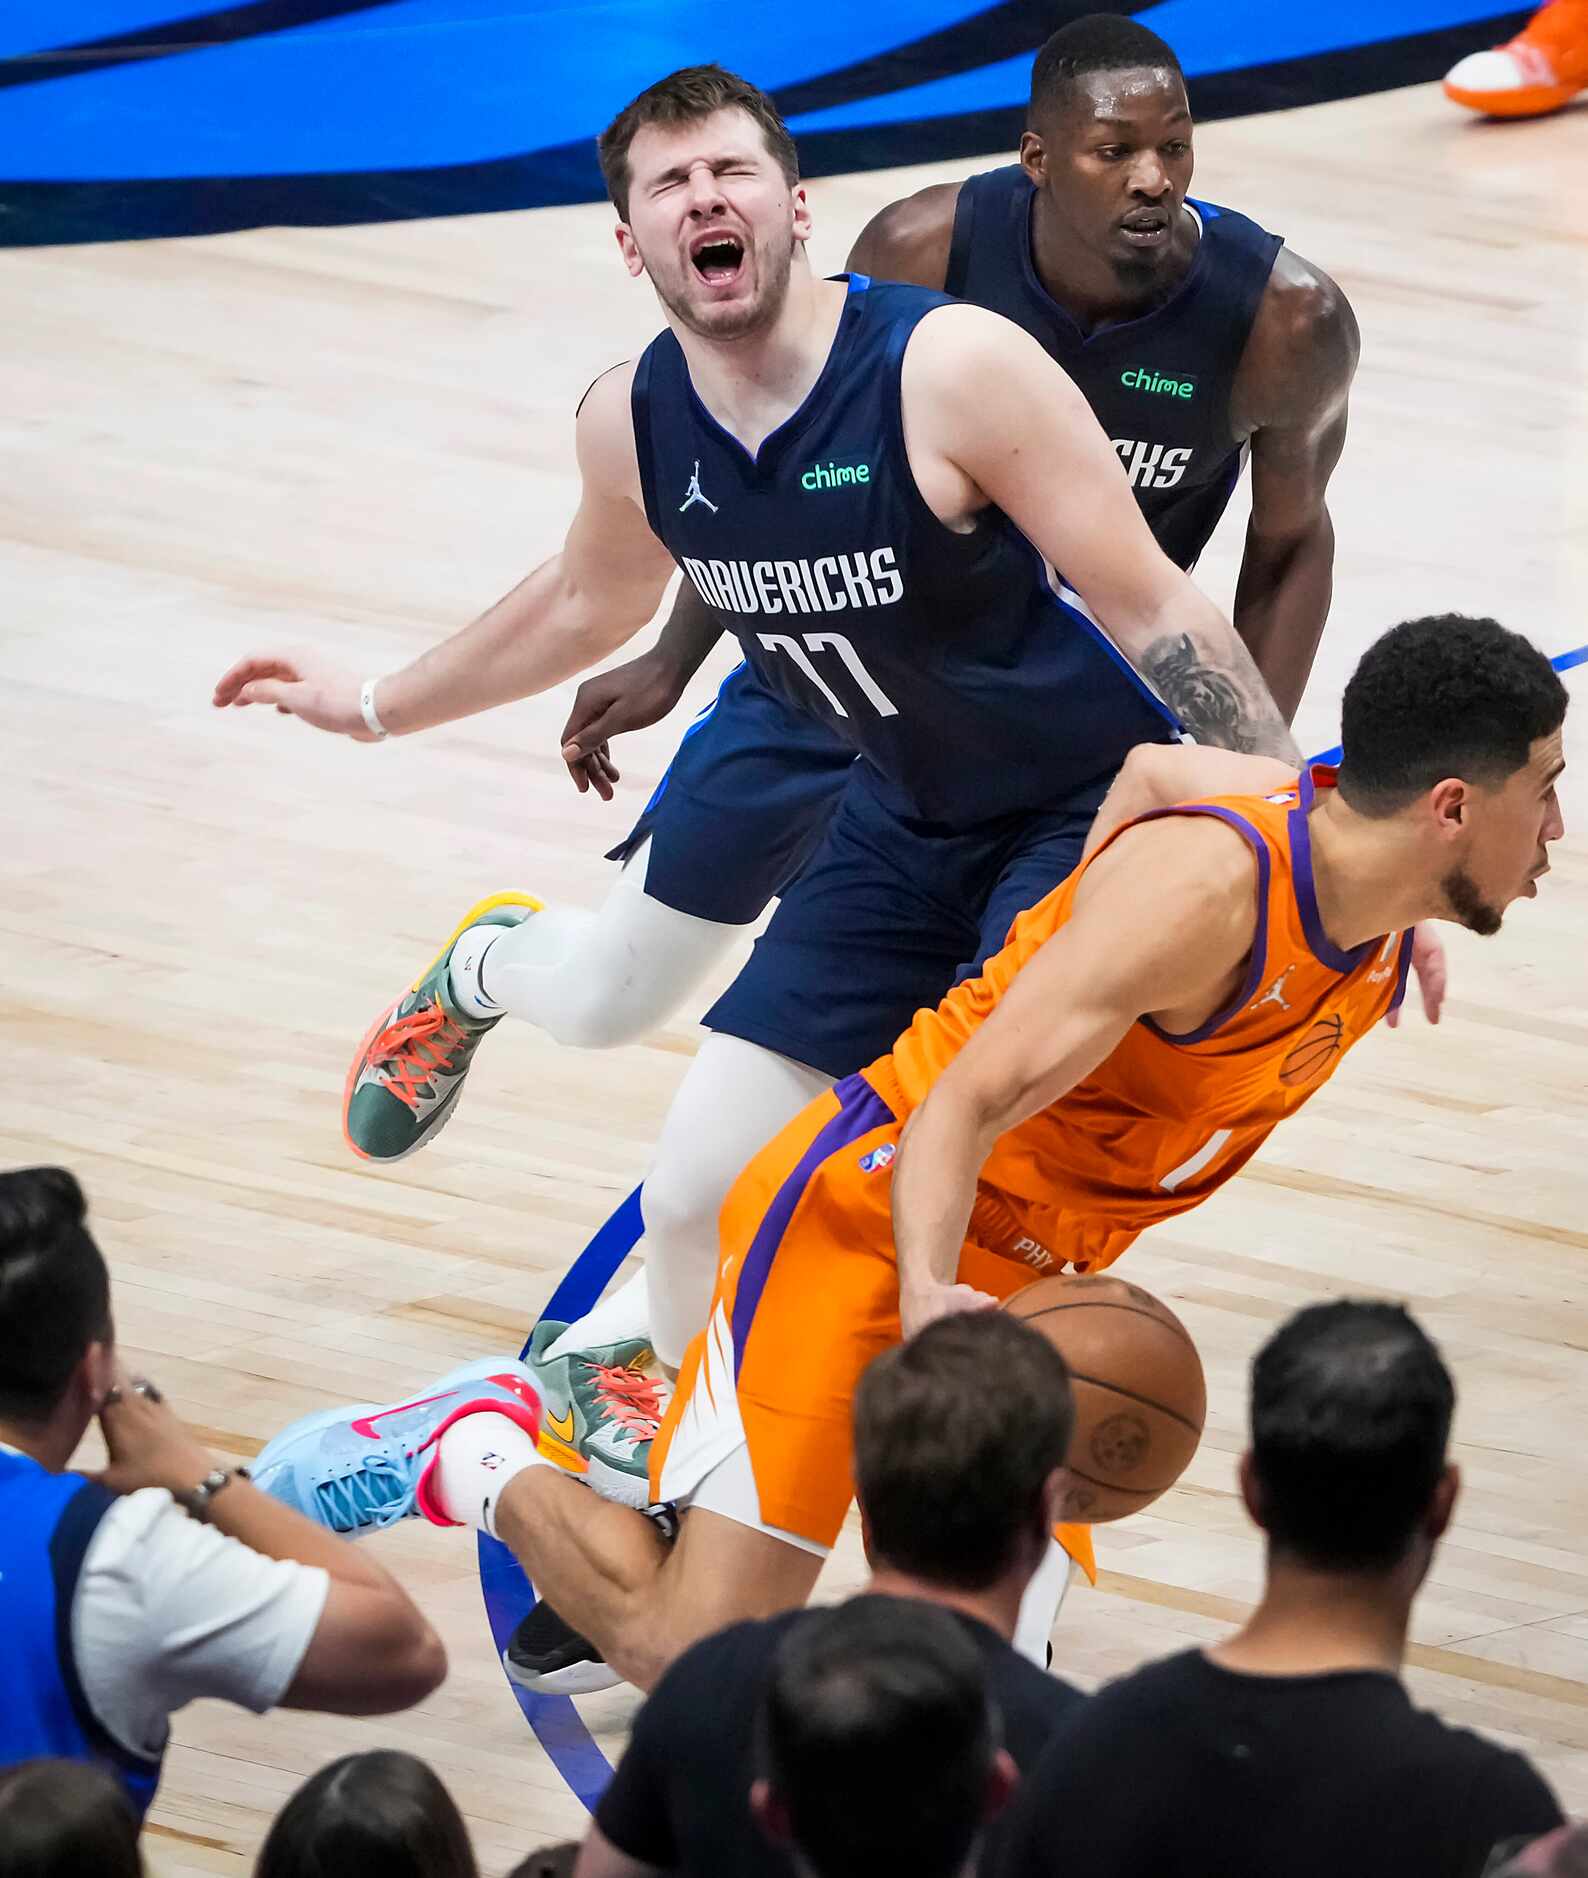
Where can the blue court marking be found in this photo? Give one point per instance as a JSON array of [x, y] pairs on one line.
[[509, 1596]]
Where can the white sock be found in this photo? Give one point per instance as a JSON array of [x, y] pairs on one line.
[[475, 1459], [463, 974], [622, 1315], [1039, 1608]]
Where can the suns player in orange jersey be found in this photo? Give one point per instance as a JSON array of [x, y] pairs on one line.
[[1195, 980]]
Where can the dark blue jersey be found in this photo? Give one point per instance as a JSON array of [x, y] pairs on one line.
[[969, 687], [1161, 384]]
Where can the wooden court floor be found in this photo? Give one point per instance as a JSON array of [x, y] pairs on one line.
[[357, 438]]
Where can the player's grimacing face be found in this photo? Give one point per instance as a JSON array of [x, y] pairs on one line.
[[714, 222], [1507, 847], [1118, 161]]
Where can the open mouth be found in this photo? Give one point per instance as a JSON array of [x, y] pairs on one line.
[[717, 258], [1146, 227]]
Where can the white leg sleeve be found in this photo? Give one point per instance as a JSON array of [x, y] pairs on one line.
[[732, 1101], [1039, 1608], [599, 979]]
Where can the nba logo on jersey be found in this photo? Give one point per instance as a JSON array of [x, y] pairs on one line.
[[879, 1157]]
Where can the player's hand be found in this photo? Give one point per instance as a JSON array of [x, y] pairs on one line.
[[630, 697], [298, 684], [925, 1304], [1433, 971], [148, 1446]]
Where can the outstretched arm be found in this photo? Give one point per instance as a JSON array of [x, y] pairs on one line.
[[982, 398], [1292, 391], [574, 609], [1161, 922]]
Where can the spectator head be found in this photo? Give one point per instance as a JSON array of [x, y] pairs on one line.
[[384, 1813], [62, 1819], [57, 1345], [879, 1747], [1351, 1408], [960, 1439]]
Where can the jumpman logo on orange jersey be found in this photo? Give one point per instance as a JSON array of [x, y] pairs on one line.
[[1275, 994]]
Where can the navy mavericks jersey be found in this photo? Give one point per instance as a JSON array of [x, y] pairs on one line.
[[1161, 384], [968, 687]]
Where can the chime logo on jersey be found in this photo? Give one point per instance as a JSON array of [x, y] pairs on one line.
[[1150, 465], [828, 585], [1143, 378]]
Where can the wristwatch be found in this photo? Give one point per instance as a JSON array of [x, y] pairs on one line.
[[196, 1501]]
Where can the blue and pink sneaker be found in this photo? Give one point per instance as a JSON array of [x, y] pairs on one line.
[[355, 1470]]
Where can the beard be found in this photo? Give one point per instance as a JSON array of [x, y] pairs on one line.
[[1467, 904], [731, 322]]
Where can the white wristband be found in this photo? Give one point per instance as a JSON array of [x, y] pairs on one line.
[[366, 704]]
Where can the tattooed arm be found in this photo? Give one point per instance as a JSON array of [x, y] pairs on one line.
[[990, 418], [1208, 693]]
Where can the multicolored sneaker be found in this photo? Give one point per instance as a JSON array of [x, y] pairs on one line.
[[600, 1411], [409, 1071], [1542, 68], [356, 1470]]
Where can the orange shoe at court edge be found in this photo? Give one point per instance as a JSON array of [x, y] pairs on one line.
[[1542, 68]]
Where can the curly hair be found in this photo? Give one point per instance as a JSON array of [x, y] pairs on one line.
[[1443, 696]]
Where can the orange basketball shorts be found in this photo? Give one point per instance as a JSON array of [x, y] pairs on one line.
[[807, 1293]]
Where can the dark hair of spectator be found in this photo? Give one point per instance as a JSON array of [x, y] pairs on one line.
[[877, 1736], [955, 1434], [1351, 1409], [384, 1813], [54, 1290], [66, 1819]]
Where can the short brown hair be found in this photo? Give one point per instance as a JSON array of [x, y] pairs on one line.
[[956, 1433], [686, 97]]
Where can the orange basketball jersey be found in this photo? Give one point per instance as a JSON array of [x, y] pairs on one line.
[[1164, 1120]]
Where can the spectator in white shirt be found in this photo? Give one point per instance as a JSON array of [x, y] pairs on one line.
[[165, 1578]]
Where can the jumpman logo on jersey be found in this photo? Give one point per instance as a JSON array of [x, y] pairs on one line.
[[1275, 994], [694, 493]]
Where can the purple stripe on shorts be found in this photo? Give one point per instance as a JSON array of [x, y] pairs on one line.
[[860, 1110]]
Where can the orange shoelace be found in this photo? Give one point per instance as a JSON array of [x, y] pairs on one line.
[[633, 1398], [411, 1050]]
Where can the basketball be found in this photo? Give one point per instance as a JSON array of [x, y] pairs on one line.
[[1140, 1396]]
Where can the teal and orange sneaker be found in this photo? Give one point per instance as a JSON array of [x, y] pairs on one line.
[[600, 1411], [409, 1071]]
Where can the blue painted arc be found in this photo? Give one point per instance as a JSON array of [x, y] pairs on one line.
[[509, 1596]]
